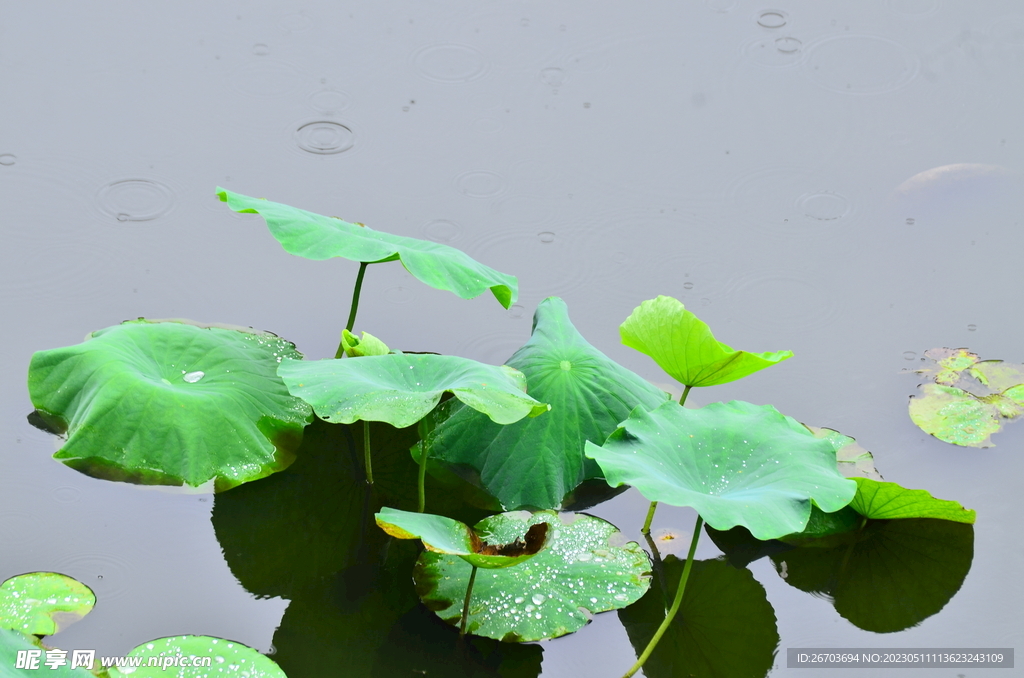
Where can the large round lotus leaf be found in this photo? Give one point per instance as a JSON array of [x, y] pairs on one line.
[[226, 658], [401, 388], [684, 347], [318, 237], [583, 570], [169, 403], [43, 603], [450, 537], [735, 463], [535, 462], [14, 642], [893, 575], [725, 627]]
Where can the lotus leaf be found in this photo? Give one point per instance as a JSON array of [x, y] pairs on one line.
[[582, 571], [894, 575], [401, 388], [535, 462], [228, 659], [852, 460], [367, 345], [881, 501], [13, 642], [970, 399], [684, 347], [43, 603], [171, 403], [735, 463], [725, 626], [450, 537], [318, 237]]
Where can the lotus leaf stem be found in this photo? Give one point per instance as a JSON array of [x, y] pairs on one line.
[[423, 476], [465, 604], [646, 529], [355, 305], [675, 603], [682, 398], [366, 452]]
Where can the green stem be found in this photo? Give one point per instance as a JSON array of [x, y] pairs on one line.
[[355, 305], [366, 452], [682, 398], [423, 476], [646, 529], [675, 603], [465, 604]]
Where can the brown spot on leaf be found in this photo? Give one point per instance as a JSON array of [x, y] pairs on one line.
[[531, 543]]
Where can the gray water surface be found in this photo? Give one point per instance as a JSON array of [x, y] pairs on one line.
[[843, 180]]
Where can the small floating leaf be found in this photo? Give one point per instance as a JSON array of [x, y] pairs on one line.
[[367, 345], [883, 501], [970, 400], [444, 535], [685, 348], [536, 462], [170, 403], [582, 571], [43, 603], [735, 463], [852, 460], [318, 237], [401, 388], [227, 658]]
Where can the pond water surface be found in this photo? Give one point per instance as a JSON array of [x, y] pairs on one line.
[[842, 180]]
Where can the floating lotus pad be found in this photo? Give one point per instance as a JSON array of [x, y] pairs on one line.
[[170, 403], [43, 603], [735, 463], [582, 571], [13, 642], [970, 398], [685, 348], [535, 462], [227, 659], [401, 388], [450, 537], [318, 237]]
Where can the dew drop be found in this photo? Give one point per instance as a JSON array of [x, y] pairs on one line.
[[538, 598], [519, 599], [193, 377]]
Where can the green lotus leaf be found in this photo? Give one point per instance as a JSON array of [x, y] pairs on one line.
[[893, 575], [227, 658], [970, 400], [450, 537], [13, 642], [43, 603], [955, 416], [318, 237], [536, 462], [725, 626], [735, 463], [401, 388], [883, 501], [171, 403], [585, 569], [366, 345], [684, 347], [852, 460]]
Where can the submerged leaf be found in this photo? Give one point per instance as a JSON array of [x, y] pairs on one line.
[[318, 237], [171, 403], [401, 388], [444, 535], [43, 603], [584, 570], [735, 463], [535, 462], [684, 347]]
